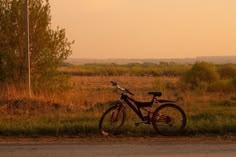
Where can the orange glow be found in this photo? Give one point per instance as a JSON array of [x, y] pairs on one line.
[[147, 28]]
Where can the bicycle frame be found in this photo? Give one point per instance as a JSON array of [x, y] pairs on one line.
[[133, 105]]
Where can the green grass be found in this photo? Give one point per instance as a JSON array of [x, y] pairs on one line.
[[53, 125], [212, 118], [203, 118]]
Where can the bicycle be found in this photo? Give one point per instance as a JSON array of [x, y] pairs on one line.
[[167, 119]]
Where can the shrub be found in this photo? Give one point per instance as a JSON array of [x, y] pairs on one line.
[[220, 86], [223, 86], [227, 71], [199, 73], [234, 81]]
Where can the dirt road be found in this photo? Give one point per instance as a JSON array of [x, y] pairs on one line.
[[120, 148]]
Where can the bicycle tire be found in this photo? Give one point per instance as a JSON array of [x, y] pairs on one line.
[[116, 120], [165, 123]]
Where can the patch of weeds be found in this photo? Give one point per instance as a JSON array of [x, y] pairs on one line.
[[158, 84], [203, 116], [171, 86], [101, 106], [224, 103]]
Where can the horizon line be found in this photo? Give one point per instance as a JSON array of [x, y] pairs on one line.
[[153, 58]]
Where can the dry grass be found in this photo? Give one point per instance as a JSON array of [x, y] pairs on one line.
[[94, 89], [77, 111]]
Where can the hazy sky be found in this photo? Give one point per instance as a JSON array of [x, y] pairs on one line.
[[147, 28]]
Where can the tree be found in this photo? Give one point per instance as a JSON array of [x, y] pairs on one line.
[[48, 47]]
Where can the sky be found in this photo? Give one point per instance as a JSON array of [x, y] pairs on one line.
[[144, 29]]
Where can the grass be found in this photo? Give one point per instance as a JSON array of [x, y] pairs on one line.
[[77, 111], [212, 117]]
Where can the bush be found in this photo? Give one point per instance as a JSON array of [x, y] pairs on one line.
[[220, 86], [234, 82], [199, 73], [227, 71], [223, 86]]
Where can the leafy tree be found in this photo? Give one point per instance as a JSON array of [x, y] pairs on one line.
[[48, 47]]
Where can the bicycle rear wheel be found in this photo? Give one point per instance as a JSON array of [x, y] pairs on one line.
[[112, 120], [169, 119]]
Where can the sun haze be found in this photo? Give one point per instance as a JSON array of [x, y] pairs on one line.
[[147, 28]]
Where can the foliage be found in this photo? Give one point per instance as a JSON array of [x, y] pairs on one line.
[[201, 72], [234, 81], [222, 86], [48, 47], [227, 71]]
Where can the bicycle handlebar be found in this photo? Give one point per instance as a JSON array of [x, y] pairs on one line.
[[129, 92], [113, 83], [120, 88]]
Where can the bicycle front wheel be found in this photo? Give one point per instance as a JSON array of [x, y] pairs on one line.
[[111, 121], [169, 119]]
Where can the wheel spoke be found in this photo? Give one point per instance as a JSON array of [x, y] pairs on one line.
[[169, 119]]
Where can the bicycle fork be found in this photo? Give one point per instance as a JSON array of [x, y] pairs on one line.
[[116, 112]]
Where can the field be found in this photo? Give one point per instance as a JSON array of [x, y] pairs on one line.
[[76, 111]]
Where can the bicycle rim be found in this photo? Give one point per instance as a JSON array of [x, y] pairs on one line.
[[169, 119], [111, 121]]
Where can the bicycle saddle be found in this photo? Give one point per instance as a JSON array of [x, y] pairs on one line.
[[155, 93]]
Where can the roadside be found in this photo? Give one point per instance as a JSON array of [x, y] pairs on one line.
[[117, 140]]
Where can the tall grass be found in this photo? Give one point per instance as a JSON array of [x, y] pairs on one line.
[[77, 111]]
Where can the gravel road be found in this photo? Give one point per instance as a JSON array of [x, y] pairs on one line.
[[123, 148]]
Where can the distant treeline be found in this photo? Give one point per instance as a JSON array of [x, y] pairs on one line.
[[132, 69], [211, 59], [140, 69]]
